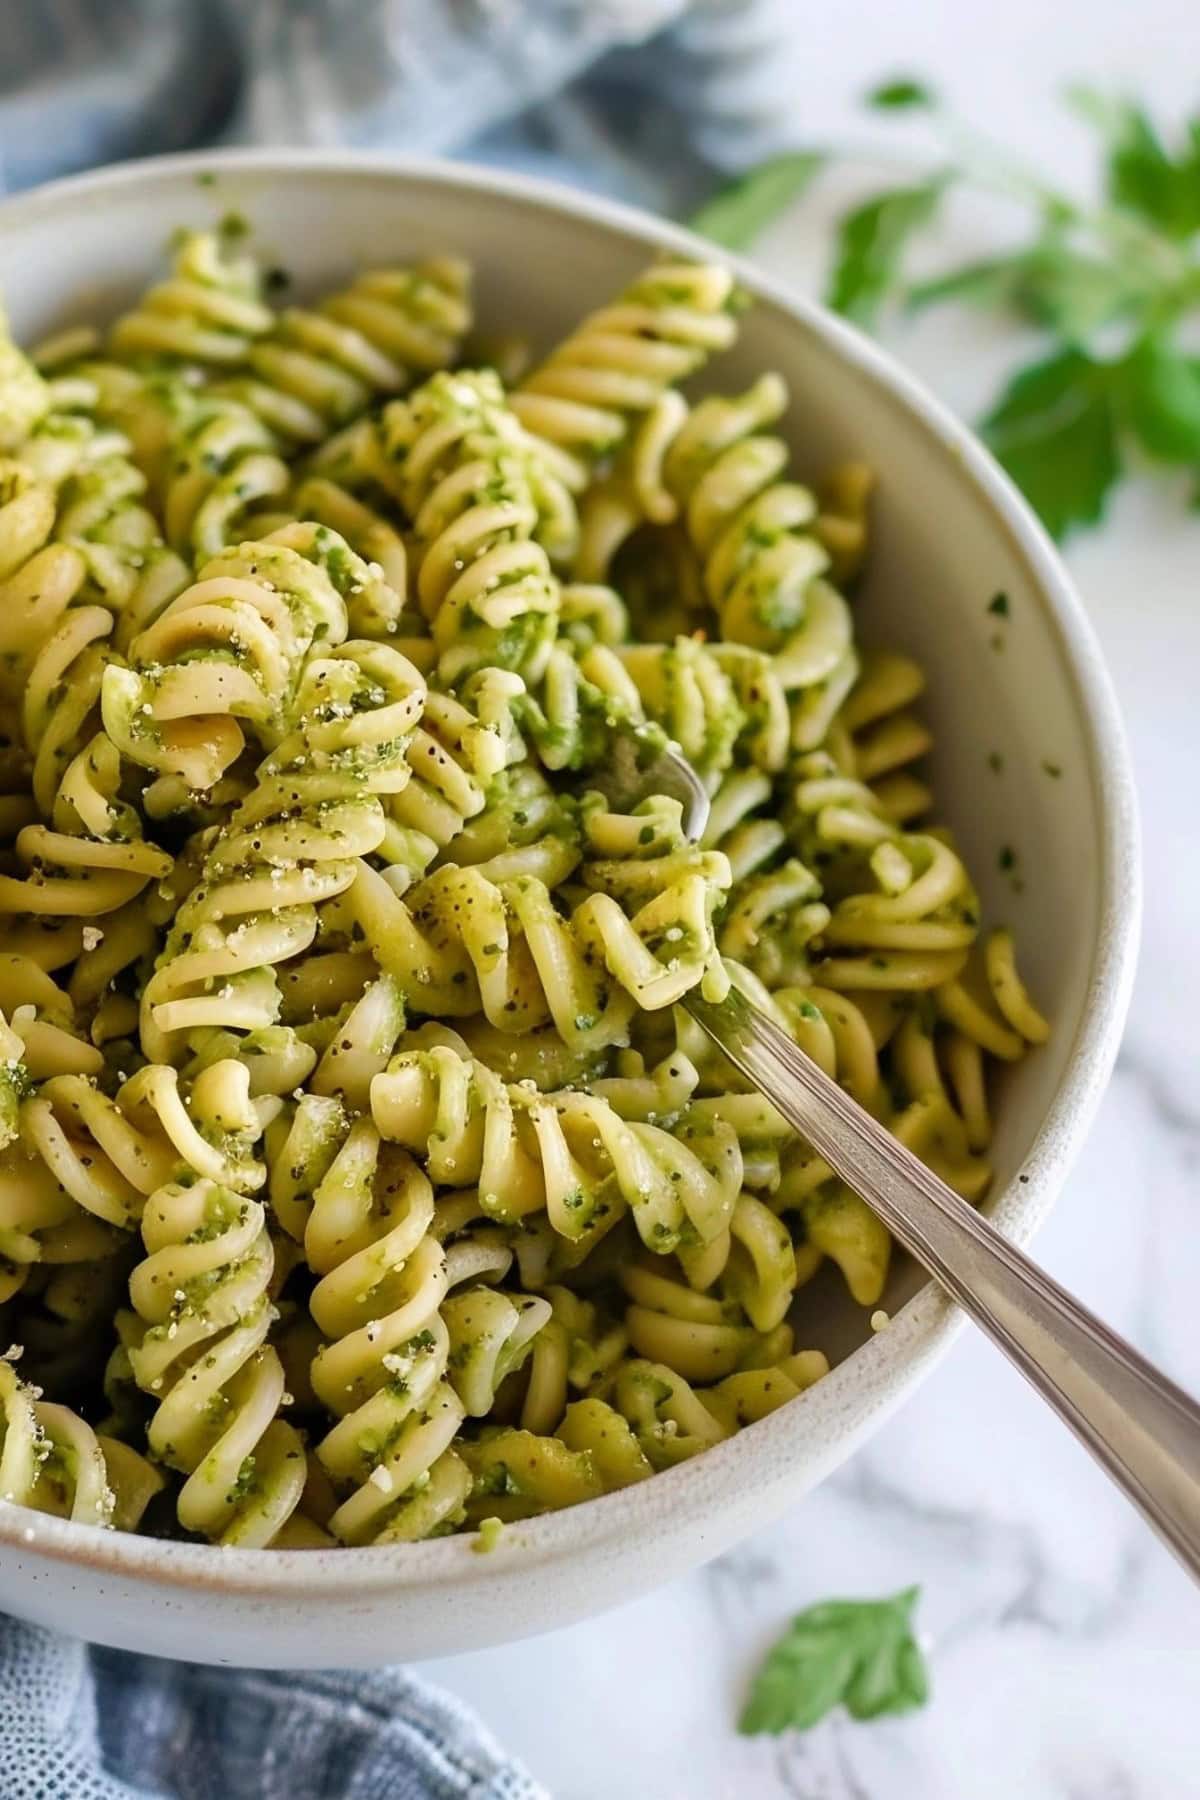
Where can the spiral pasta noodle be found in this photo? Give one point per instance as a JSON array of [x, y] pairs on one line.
[[222, 464], [568, 1154], [70, 437], [294, 842], [671, 1420], [455, 756], [208, 311], [68, 456], [702, 1336], [475, 492], [102, 514], [309, 371], [109, 1155], [26, 397], [229, 649], [80, 1164], [377, 609], [581, 400], [684, 689], [52, 1462], [315, 368], [202, 1293], [89, 857], [567, 715], [39, 577], [760, 543], [382, 1372], [462, 943]]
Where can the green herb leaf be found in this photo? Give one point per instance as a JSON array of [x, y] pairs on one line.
[[1054, 429], [1051, 284], [1145, 178], [990, 282], [737, 215], [871, 244], [1161, 400], [893, 96], [1073, 293], [859, 1653], [1142, 174]]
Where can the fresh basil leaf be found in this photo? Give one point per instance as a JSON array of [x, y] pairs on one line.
[[990, 282], [1051, 284], [893, 96], [737, 215], [871, 244], [1144, 177], [1160, 398], [1076, 294], [1142, 174], [856, 1653], [1054, 429]]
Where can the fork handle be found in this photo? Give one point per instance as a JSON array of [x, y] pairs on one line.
[[1141, 1427]]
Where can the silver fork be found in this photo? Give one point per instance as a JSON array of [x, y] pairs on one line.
[[1141, 1427]]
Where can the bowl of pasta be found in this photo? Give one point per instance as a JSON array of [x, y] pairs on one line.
[[368, 1200]]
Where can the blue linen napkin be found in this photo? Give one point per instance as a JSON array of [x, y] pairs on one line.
[[650, 100], [645, 99], [87, 1724]]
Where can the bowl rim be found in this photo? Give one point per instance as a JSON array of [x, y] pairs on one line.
[[882, 1372]]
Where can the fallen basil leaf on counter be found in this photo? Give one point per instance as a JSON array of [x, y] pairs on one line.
[[904, 91], [860, 1654], [736, 216]]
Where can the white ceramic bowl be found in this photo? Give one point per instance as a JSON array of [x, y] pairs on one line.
[[949, 532]]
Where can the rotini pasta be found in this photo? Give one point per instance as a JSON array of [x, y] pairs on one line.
[[478, 496], [313, 369], [612, 369], [52, 1462], [203, 1294], [229, 648], [569, 1154], [363, 1176], [460, 943], [378, 1300], [209, 310]]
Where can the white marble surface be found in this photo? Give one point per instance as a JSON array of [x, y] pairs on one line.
[[1063, 1640]]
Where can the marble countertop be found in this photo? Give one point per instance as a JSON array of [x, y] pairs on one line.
[[1062, 1638]]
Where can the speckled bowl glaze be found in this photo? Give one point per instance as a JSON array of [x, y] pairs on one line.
[[949, 533]]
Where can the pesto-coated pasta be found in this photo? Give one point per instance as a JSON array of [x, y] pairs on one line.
[[584, 398], [208, 311], [316, 368], [52, 1462], [362, 1177], [479, 497]]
